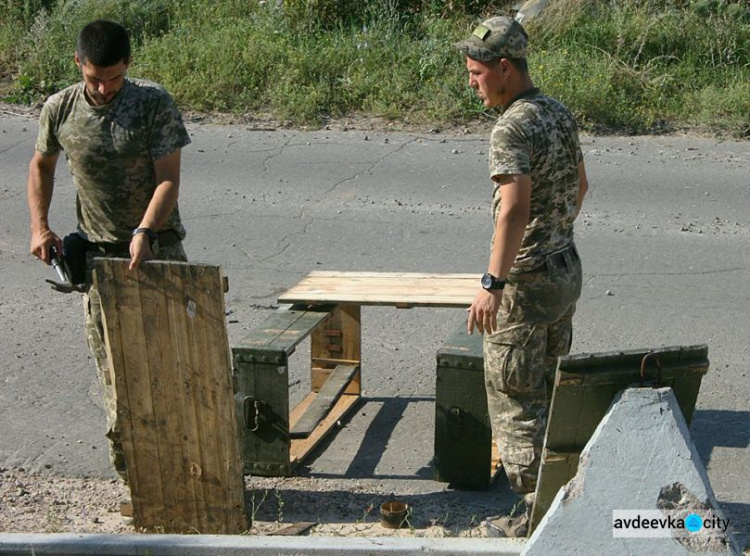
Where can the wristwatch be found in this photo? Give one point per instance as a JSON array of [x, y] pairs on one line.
[[490, 283], [150, 234]]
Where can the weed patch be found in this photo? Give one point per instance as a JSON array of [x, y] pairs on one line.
[[633, 66]]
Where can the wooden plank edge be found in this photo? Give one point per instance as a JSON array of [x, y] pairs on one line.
[[301, 448], [333, 388]]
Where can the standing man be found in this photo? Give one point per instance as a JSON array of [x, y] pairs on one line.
[[122, 138], [528, 295]]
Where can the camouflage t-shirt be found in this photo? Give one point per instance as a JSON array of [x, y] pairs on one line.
[[111, 151], [538, 136]]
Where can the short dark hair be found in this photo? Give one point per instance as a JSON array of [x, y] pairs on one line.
[[103, 43], [520, 64]]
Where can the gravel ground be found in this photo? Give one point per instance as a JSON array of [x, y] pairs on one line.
[[43, 503]]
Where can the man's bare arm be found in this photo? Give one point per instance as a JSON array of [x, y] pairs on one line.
[[167, 170], [515, 208], [583, 186], [39, 187]]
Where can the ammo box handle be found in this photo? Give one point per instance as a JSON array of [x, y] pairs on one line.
[[251, 409], [650, 355]]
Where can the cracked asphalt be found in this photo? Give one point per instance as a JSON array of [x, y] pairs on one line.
[[664, 237]]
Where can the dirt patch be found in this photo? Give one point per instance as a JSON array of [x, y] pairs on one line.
[[42, 503]]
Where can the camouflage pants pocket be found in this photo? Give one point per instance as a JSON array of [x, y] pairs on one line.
[[515, 368], [515, 359]]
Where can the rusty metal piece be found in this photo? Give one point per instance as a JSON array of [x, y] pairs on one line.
[[644, 361]]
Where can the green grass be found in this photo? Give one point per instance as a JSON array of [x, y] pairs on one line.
[[630, 66]]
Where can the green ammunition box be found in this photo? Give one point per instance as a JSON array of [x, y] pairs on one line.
[[463, 437], [261, 382]]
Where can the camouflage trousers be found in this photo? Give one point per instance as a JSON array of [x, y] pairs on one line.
[[94, 329], [520, 357]]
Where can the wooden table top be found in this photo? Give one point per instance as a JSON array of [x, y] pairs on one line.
[[399, 289]]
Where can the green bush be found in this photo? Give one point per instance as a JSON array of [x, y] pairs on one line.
[[621, 65]]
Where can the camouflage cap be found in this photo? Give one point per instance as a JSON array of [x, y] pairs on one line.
[[495, 38]]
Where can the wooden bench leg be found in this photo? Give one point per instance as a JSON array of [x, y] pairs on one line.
[[335, 342]]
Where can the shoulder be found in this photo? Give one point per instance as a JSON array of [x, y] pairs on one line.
[[540, 110], [146, 101], [510, 126], [145, 91], [536, 116], [63, 98]]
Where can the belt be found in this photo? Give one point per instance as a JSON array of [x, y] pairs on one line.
[[553, 260], [166, 238]]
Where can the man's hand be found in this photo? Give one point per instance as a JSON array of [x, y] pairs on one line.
[[483, 311], [41, 241], [140, 250]]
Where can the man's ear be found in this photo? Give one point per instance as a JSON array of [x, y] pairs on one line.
[[78, 60], [505, 65]]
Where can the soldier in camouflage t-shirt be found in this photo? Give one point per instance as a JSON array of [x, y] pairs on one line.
[[122, 138], [528, 295]]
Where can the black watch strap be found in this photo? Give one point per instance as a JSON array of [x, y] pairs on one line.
[[150, 234], [490, 283]]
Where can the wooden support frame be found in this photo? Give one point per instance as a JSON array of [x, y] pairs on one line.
[[261, 375]]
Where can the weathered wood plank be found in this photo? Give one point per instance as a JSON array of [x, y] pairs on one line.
[[156, 322], [166, 331], [129, 365], [384, 288], [293, 529], [324, 401], [194, 497], [283, 330], [301, 447], [386, 275], [221, 472]]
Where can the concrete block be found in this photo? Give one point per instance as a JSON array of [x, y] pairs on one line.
[[641, 458]]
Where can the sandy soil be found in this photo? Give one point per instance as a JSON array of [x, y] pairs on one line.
[[41, 503]]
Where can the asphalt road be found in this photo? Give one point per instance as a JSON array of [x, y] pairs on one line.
[[664, 238]]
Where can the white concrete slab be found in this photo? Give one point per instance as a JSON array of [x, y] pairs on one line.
[[640, 464]]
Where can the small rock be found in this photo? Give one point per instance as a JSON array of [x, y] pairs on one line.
[[609, 292]]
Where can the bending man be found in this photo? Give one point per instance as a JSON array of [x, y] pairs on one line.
[[122, 138]]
